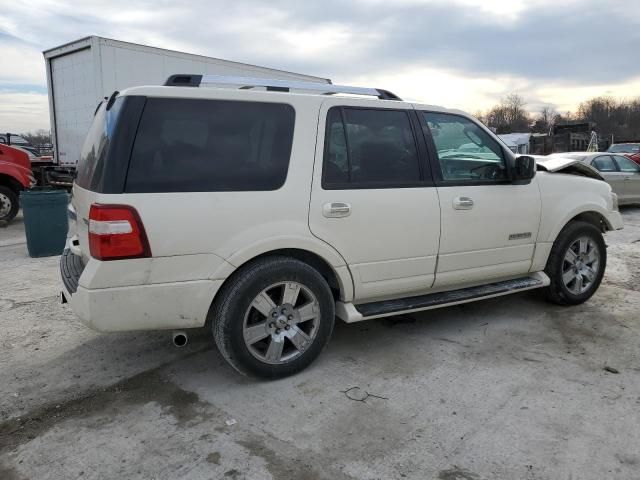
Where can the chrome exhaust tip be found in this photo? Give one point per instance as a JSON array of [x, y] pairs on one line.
[[180, 339]]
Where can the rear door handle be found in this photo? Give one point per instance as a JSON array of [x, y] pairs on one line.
[[336, 210], [463, 203]]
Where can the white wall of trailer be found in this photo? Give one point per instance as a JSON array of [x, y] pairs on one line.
[[81, 73]]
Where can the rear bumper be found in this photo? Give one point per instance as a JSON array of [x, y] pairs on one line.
[[138, 307]]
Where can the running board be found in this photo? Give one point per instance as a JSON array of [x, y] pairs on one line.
[[354, 313]]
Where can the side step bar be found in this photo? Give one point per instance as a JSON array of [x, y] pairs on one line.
[[354, 313]]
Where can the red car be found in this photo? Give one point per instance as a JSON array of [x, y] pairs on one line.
[[629, 150], [15, 175]]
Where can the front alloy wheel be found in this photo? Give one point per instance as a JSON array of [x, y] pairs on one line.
[[576, 264], [581, 265]]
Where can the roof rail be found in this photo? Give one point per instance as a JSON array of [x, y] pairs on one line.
[[188, 80]]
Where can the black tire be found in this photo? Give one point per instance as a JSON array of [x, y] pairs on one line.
[[557, 292], [10, 195], [236, 297]]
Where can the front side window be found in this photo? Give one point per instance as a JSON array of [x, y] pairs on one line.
[[465, 151], [369, 148], [190, 145], [626, 165], [604, 163]]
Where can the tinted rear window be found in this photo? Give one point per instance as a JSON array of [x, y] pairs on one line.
[[211, 145]]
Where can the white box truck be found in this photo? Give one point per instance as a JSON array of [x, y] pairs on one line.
[[82, 73]]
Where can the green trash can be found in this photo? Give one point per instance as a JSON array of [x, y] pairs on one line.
[[45, 221]]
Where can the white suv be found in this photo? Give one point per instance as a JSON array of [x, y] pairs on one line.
[[262, 213]]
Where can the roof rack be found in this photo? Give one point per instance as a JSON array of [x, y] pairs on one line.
[[244, 83]]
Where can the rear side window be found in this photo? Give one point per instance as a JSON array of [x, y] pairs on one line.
[[369, 148], [604, 163], [90, 169], [189, 145], [626, 165]]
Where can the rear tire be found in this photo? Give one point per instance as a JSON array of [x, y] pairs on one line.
[[9, 204], [273, 317], [576, 264]]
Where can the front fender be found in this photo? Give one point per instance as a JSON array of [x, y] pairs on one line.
[[20, 174], [566, 196]]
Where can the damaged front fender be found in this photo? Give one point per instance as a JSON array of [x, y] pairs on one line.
[[566, 165]]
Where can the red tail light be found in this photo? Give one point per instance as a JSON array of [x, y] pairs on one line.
[[116, 232]]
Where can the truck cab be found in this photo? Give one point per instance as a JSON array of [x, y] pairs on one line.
[[15, 176]]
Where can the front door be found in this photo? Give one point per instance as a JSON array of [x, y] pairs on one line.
[[489, 225], [631, 171], [610, 172], [373, 198]]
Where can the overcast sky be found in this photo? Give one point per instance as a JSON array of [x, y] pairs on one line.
[[465, 54]]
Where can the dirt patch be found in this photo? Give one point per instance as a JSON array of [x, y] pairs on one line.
[[149, 386], [214, 457], [456, 473], [290, 466], [8, 473]]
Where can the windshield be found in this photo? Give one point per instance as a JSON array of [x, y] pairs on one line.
[[96, 143], [625, 148]]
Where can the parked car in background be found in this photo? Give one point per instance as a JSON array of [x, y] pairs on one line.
[[15, 175], [630, 150], [618, 171]]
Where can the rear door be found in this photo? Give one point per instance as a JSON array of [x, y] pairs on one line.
[[631, 171], [373, 198], [611, 173]]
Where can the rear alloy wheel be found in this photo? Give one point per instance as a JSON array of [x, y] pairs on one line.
[[8, 204], [576, 264], [273, 317], [281, 322]]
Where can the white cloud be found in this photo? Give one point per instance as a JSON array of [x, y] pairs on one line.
[[23, 112], [459, 53]]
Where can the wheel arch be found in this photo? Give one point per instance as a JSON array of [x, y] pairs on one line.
[[338, 277], [11, 182], [595, 218], [593, 214]]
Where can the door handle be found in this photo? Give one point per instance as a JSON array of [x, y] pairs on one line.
[[462, 203], [336, 210]]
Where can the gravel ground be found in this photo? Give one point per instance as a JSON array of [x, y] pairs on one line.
[[508, 388]]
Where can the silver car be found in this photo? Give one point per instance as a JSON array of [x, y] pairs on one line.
[[621, 173]]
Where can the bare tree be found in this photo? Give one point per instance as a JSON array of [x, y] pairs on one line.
[[509, 116], [37, 138], [545, 120]]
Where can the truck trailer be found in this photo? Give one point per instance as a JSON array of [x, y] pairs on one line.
[[82, 73]]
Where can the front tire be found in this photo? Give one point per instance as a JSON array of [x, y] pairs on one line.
[[9, 205], [273, 317], [576, 264]]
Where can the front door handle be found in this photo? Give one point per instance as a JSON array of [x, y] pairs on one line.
[[462, 203], [336, 210]]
